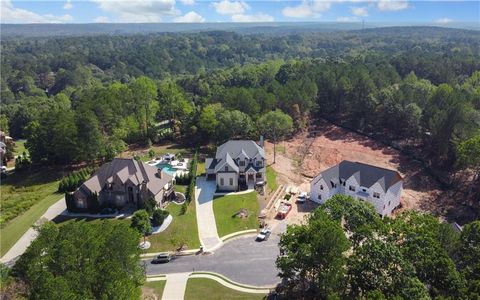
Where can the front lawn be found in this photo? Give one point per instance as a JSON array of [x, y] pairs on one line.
[[153, 289], [271, 179], [25, 197], [182, 230], [208, 289], [226, 207]]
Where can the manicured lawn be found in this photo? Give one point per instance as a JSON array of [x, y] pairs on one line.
[[226, 207], [271, 179], [181, 188], [155, 287], [208, 289], [182, 230], [24, 197], [14, 229]]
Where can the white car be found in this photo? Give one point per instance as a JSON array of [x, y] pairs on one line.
[[263, 235], [302, 197]]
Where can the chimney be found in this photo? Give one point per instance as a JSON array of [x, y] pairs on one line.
[[261, 141], [160, 173]]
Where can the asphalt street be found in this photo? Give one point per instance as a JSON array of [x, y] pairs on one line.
[[242, 260]]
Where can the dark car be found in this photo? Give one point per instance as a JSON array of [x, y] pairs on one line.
[[162, 258]]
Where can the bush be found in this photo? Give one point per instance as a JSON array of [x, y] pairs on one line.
[[158, 216], [22, 162], [184, 208], [151, 153], [150, 205], [93, 203], [70, 202]]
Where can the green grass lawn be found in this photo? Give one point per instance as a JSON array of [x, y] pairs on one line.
[[155, 287], [271, 179], [226, 207], [182, 230], [181, 188], [19, 148], [24, 197], [208, 289]]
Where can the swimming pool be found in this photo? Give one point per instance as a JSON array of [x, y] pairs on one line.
[[166, 168]]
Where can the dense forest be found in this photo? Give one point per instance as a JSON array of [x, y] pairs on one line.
[[85, 98]]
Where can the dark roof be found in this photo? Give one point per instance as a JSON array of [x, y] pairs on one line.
[[127, 170], [235, 147], [366, 175]]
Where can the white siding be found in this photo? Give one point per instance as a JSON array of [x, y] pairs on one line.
[[393, 197], [226, 181]]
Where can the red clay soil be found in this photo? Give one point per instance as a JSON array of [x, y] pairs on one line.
[[306, 155]]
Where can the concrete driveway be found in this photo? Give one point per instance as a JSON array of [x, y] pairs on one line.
[[207, 228], [242, 260]]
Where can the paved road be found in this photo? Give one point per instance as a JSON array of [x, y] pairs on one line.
[[22, 244], [242, 260], [207, 228]]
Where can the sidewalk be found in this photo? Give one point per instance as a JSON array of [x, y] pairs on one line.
[[22, 244], [207, 228], [175, 286]]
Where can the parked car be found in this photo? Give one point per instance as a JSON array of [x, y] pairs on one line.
[[162, 258], [263, 235], [302, 198]]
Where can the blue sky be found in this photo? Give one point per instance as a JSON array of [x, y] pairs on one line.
[[127, 11]]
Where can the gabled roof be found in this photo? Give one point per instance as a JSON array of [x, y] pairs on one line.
[[127, 170], [227, 160], [235, 147], [366, 175]]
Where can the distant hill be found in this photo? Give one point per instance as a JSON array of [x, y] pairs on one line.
[[45, 30]]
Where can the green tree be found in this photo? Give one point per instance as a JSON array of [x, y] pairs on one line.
[[141, 222], [312, 258], [275, 125], [82, 260], [208, 120], [234, 124], [144, 102]]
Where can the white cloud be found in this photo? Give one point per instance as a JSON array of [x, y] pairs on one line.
[[392, 5], [190, 17], [11, 14], [347, 19], [443, 21], [227, 7], [260, 17], [102, 19], [68, 5], [307, 8], [139, 11], [359, 11], [188, 2]]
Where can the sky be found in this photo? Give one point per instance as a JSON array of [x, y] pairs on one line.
[[439, 12]]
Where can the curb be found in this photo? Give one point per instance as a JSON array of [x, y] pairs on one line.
[[156, 278], [232, 284], [236, 234]]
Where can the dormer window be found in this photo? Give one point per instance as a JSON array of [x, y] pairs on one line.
[[321, 187], [241, 163], [259, 163], [351, 188], [226, 168], [376, 195]]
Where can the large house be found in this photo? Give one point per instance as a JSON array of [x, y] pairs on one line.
[[381, 187], [124, 182], [236, 163]]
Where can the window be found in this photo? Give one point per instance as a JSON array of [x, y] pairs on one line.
[[258, 163], [342, 181], [321, 187], [222, 182], [376, 195], [259, 175], [242, 163], [231, 181], [226, 168], [389, 203], [365, 190], [334, 185], [352, 188], [319, 197]]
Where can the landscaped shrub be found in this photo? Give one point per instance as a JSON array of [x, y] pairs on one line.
[[22, 162], [150, 205], [73, 180], [158, 216], [183, 179], [189, 194], [184, 208]]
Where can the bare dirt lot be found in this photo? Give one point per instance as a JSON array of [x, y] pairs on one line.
[[307, 154]]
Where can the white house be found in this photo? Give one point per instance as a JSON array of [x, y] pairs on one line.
[[236, 162], [381, 187]]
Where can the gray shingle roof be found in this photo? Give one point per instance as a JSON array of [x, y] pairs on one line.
[[127, 170], [366, 175], [235, 147]]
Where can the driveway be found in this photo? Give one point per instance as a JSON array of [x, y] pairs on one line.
[[242, 260], [207, 228], [22, 244]]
